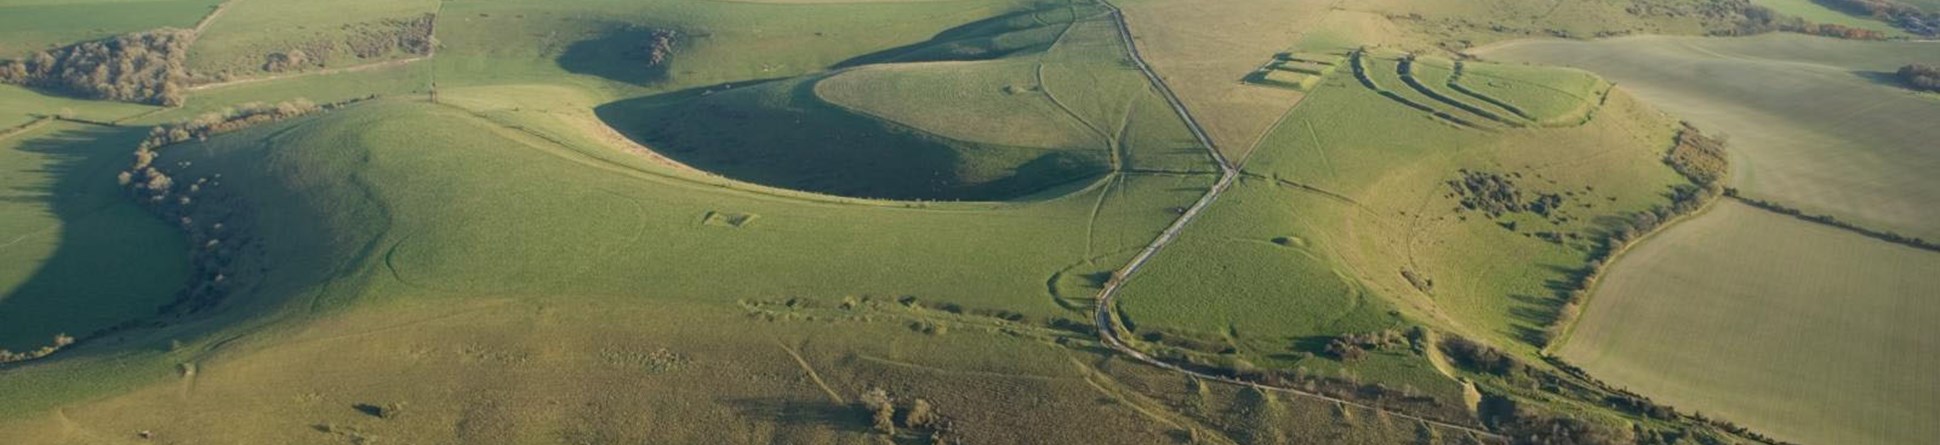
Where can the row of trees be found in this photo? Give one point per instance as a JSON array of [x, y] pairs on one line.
[[145, 67], [1921, 77], [1882, 235], [216, 246]]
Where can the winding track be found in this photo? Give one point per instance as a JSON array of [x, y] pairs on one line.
[[1228, 172]]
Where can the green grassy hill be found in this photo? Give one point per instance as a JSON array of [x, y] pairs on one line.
[[613, 221]]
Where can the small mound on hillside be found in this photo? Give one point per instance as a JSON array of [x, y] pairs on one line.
[[782, 134]]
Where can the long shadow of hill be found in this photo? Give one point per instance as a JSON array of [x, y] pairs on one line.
[[992, 38], [112, 262], [619, 53], [792, 139]]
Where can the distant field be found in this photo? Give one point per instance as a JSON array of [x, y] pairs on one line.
[[1862, 151], [75, 254], [31, 25], [1814, 12], [1818, 338]]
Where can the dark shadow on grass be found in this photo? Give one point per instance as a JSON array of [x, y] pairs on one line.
[[781, 134], [794, 412], [620, 53], [1029, 30], [112, 262]]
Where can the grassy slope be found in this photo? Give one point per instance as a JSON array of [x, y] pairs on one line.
[[520, 371], [75, 254], [1363, 198], [962, 100], [1808, 339], [1862, 151], [30, 25], [238, 41]]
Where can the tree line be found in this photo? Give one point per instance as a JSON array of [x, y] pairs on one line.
[[1921, 77], [146, 67], [1882, 235]]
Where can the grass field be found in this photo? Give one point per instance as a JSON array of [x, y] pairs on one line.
[[1862, 152], [1805, 338], [31, 25], [75, 254]]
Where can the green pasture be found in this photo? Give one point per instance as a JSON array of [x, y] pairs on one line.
[[32, 25]]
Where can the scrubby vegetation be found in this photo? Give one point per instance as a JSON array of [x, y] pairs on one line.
[[215, 243], [1908, 17], [60, 341], [1920, 77], [142, 67]]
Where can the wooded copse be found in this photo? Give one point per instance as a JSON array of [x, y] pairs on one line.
[[146, 67], [1921, 77]]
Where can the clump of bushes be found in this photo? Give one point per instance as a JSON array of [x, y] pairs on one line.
[[1497, 194], [917, 420], [1353, 347], [291, 60], [1921, 77], [144, 67], [375, 39], [658, 47]]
